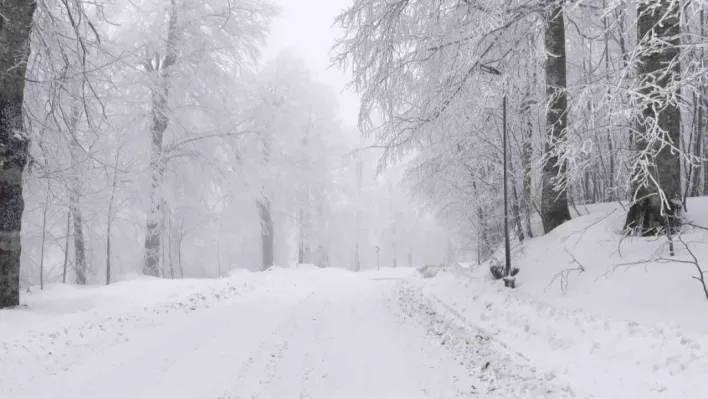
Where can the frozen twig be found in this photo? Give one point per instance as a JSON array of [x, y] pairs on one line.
[[582, 232], [564, 275], [694, 261]]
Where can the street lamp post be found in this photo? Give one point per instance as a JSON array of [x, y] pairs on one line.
[[509, 280]]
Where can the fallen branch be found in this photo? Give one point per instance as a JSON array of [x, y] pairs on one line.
[[701, 278], [564, 275]]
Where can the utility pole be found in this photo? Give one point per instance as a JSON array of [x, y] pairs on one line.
[[509, 280]]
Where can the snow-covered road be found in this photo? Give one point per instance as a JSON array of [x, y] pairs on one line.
[[342, 337]]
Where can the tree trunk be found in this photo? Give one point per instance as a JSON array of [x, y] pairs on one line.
[[160, 121], [393, 227], [44, 238], [304, 249], [109, 220], [515, 204], [658, 19], [170, 239], [66, 246], [15, 22], [79, 249], [75, 151], [700, 136], [516, 213], [267, 242], [697, 146], [554, 202], [527, 154], [179, 248], [323, 243], [359, 180], [108, 253]]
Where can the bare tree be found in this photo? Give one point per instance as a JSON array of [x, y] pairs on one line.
[[160, 67]]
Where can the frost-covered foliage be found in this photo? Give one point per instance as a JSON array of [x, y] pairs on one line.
[[157, 131], [634, 130]]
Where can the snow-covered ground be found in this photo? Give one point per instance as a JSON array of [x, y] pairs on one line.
[[596, 357], [630, 278], [613, 317], [636, 332], [279, 334]]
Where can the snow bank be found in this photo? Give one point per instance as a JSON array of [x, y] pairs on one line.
[[598, 357], [587, 263], [616, 317], [506, 372]]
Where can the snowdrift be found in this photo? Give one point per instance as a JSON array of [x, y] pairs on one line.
[[587, 263], [615, 317]]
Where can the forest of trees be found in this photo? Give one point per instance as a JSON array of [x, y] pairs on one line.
[[606, 103], [149, 136]]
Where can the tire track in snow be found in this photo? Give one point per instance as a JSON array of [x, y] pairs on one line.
[[507, 373], [271, 364]]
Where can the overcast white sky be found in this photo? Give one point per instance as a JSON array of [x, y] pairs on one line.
[[305, 28]]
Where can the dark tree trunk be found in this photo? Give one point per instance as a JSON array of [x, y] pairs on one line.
[[649, 214], [160, 122], [554, 203], [15, 26], [697, 146]]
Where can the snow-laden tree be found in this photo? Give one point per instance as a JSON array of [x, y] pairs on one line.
[[193, 48], [296, 118], [656, 178], [621, 117], [420, 69]]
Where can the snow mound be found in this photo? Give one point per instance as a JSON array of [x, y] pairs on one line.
[[430, 271], [616, 317], [587, 263], [599, 357]]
